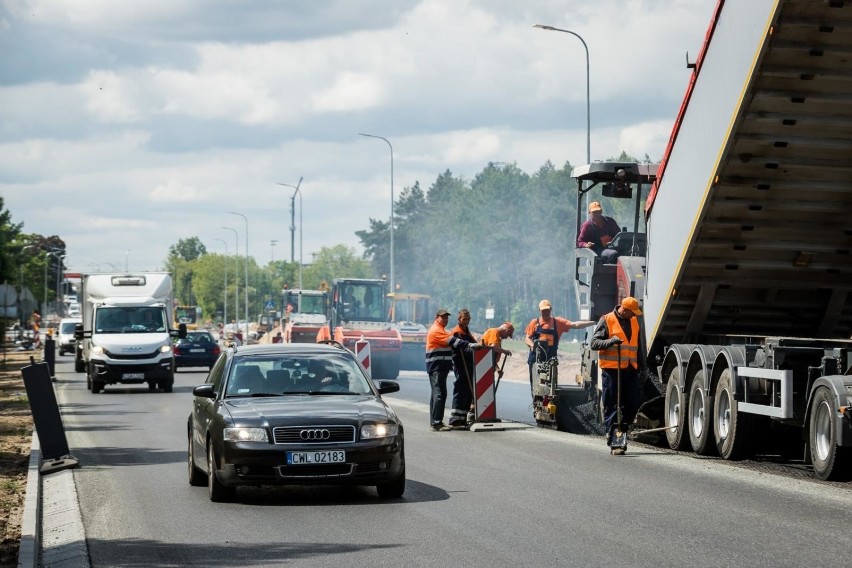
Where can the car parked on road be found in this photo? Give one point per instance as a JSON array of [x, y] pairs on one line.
[[65, 341], [293, 414], [197, 349]]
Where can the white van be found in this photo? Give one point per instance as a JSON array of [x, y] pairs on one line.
[[65, 341]]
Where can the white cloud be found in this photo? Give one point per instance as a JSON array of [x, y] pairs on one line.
[[135, 149]]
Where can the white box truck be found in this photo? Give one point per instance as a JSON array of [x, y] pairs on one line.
[[125, 336]]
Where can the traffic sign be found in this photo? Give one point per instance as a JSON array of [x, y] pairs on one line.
[[270, 305]]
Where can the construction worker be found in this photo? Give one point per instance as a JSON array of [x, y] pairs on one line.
[[546, 330], [439, 360], [597, 232], [493, 337], [463, 370], [616, 338]]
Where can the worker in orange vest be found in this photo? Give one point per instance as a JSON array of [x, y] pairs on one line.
[[616, 339], [440, 343]]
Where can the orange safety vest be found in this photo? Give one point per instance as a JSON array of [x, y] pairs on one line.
[[608, 358]]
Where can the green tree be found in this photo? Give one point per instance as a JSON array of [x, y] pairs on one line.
[[10, 246], [338, 261], [187, 249]]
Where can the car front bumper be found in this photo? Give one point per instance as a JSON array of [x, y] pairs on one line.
[[367, 463]]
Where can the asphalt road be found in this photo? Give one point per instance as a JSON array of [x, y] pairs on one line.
[[528, 497]]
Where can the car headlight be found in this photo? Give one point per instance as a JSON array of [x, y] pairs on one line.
[[165, 348], [371, 431], [245, 435], [98, 350]]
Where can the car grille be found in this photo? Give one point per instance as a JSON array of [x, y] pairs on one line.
[[293, 435], [324, 470]]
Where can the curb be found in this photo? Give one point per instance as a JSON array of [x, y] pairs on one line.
[[28, 551]]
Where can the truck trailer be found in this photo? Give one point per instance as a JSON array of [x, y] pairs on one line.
[[125, 334], [742, 263]]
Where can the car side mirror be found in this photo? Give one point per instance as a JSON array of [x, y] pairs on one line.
[[204, 391], [386, 387]]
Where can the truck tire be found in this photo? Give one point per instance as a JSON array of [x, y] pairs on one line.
[[733, 431], [831, 462], [700, 416], [675, 414]]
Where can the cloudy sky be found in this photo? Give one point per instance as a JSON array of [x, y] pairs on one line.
[[126, 125]]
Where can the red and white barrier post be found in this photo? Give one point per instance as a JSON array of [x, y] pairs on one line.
[[362, 352], [484, 391]]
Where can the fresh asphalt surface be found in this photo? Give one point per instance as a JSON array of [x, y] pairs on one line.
[[528, 497]]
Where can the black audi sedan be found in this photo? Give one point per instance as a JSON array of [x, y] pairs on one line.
[[293, 414]]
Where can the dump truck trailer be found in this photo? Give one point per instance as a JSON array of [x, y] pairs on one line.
[[746, 280]]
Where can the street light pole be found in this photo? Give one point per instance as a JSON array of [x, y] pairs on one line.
[[588, 104], [272, 244], [58, 277], [246, 287], [236, 278], [292, 220], [225, 301], [392, 280]]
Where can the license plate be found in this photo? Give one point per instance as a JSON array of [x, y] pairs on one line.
[[196, 350], [300, 458], [132, 376]]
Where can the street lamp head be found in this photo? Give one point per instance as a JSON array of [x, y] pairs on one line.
[[542, 27]]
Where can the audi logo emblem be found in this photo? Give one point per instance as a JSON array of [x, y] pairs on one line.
[[319, 434]]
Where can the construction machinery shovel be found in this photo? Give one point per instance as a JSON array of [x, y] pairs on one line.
[[618, 435]]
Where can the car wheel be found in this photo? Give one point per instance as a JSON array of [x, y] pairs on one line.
[[394, 488], [152, 386], [167, 386], [97, 386], [196, 476], [218, 492]]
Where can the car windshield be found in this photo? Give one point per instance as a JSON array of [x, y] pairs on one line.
[[67, 327], [296, 373]]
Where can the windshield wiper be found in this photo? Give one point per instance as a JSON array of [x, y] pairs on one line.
[[266, 394]]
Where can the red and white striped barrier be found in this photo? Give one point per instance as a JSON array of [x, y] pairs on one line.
[[362, 352], [483, 380]]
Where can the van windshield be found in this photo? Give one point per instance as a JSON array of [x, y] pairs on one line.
[[137, 319], [67, 327]]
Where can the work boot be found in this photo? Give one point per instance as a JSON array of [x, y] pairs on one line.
[[616, 451]]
